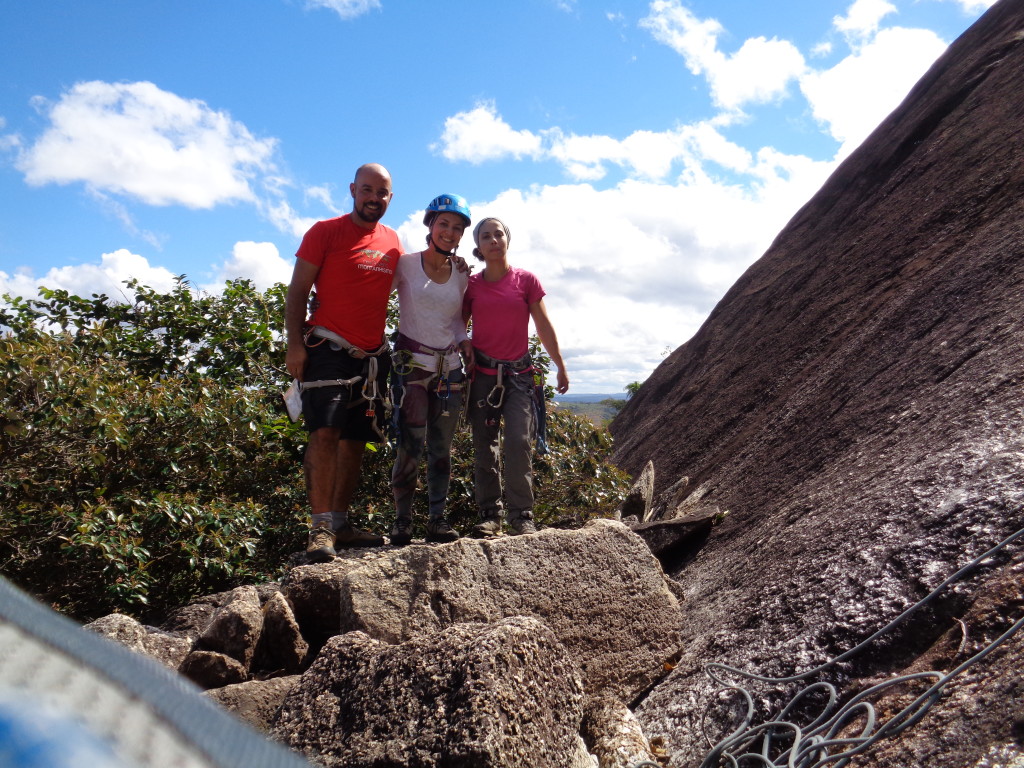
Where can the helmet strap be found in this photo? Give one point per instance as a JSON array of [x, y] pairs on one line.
[[437, 248]]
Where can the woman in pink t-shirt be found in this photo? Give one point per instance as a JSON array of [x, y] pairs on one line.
[[501, 300]]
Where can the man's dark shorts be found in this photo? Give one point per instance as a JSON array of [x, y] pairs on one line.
[[343, 407]]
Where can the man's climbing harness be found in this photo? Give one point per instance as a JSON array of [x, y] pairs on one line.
[[370, 393], [521, 374], [827, 740]]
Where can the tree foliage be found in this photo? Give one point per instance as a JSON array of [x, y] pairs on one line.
[[147, 456]]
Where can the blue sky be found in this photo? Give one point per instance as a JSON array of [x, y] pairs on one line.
[[643, 154]]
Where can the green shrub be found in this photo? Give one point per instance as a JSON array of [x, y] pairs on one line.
[[147, 457]]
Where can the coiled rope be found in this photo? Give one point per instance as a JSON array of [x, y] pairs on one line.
[[780, 742]]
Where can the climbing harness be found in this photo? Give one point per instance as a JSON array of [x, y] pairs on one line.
[[370, 393], [337, 342], [516, 371], [417, 365], [495, 399]]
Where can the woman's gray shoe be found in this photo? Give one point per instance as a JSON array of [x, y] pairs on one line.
[[487, 528], [401, 534], [440, 529], [521, 525]]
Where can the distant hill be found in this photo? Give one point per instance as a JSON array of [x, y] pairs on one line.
[[560, 399], [597, 408]]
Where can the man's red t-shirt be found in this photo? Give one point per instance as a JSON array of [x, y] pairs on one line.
[[357, 267]]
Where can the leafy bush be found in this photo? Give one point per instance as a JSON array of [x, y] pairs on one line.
[[147, 457]]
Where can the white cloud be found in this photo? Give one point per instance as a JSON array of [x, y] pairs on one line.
[[823, 48], [643, 154], [634, 269], [759, 72], [863, 18], [855, 95], [480, 135], [974, 6], [324, 195], [106, 277], [136, 140], [346, 9], [9, 141], [259, 262]]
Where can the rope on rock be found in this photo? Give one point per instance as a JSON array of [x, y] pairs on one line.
[[781, 742]]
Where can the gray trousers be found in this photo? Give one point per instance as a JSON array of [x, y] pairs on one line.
[[425, 418], [512, 452]]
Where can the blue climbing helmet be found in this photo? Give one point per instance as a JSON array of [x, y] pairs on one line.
[[453, 203]]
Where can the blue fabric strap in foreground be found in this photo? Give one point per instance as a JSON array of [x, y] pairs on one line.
[[118, 707]]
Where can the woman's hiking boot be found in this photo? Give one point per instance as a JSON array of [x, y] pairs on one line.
[[439, 529], [521, 525], [320, 545], [487, 528], [401, 533]]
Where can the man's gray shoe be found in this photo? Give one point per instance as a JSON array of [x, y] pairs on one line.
[[521, 525], [401, 533], [487, 528], [320, 545], [349, 536], [439, 529]]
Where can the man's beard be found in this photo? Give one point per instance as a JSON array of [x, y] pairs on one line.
[[371, 215]]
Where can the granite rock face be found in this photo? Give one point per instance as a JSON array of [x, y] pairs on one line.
[[853, 407]]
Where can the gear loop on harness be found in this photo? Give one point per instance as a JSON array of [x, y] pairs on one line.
[[496, 397], [325, 334], [304, 385], [534, 384]]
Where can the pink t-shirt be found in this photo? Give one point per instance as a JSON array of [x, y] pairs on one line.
[[501, 312], [357, 267]]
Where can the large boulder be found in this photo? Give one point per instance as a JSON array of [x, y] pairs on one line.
[[599, 589], [315, 594], [212, 669], [484, 695], [281, 648], [235, 627]]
